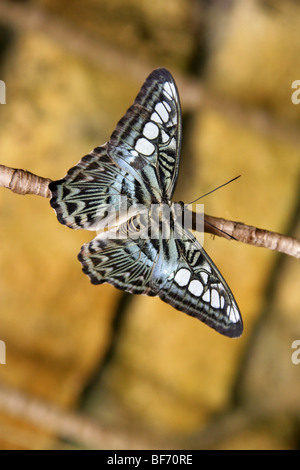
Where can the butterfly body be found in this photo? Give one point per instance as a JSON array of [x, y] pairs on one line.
[[123, 190]]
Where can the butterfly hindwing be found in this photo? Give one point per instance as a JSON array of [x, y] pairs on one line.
[[198, 289], [120, 258], [176, 269]]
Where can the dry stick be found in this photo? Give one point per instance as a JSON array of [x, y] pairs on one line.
[[25, 182], [252, 235]]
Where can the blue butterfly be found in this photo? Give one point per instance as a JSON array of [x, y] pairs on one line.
[[134, 176]]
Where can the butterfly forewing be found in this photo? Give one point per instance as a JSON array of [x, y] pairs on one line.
[[148, 137], [120, 168], [140, 163]]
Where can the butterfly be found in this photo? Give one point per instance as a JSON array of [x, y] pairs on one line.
[[144, 249]]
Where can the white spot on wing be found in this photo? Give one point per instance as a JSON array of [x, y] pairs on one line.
[[233, 314], [168, 90], [195, 288], [172, 86], [144, 146], [150, 130], [167, 106], [155, 117], [164, 137], [215, 299], [182, 277], [206, 296], [204, 277], [161, 110]]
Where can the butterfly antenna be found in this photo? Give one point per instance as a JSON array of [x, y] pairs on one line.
[[213, 190], [221, 186]]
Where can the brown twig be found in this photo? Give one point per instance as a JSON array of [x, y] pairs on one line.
[[25, 182], [252, 235]]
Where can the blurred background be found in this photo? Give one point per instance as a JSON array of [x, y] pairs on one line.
[[90, 366]]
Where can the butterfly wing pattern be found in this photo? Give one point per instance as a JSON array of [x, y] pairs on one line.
[[128, 176]]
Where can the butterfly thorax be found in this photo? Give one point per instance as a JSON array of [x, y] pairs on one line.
[[163, 218]]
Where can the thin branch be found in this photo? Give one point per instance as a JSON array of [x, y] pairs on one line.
[[25, 182], [252, 235]]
